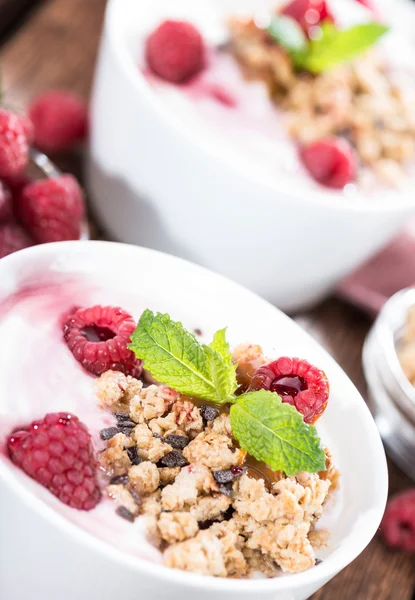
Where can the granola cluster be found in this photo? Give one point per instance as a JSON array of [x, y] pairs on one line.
[[175, 464], [363, 101]]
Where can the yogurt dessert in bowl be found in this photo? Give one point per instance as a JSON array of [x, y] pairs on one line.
[[234, 160], [152, 472]]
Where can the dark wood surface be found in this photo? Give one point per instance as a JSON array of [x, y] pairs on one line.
[[56, 46]]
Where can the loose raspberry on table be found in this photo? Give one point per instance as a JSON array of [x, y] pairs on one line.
[[14, 143], [57, 452], [175, 51], [308, 13], [17, 183], [297, 382], [13, 238], [60, 119], [98, 338], [52, 210], [330, 161], [398, 524], [6, 207]]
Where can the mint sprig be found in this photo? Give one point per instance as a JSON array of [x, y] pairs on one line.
[[289, 34], [221, 346], [332, 48], [264, 426], [274, 432], [175, 357]]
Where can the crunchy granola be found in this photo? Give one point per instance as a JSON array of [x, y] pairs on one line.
[[210, 516], [362, 101]]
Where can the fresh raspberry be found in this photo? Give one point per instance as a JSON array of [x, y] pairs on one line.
[[175, 51], [14, 145], [52, 210], [59, 118], [28, 128], [372, 6], [6, 208], [98, 338], [17, 183], [398, 524], [308, 13], [57, 452], [13, 238], [296, 382], [330, 161]]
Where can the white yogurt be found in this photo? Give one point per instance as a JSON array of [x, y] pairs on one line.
[[42, 376]]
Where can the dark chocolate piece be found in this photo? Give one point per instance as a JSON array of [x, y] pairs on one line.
[[177, 441], [209, 413], [228, 475], [120, 480], [133, 455], [122, 416], [225, 489], [125, 514], [108, 433], [173, 459]]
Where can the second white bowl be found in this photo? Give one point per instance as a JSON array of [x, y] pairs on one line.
[[157, 183]]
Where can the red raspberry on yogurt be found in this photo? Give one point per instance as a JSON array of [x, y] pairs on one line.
[[57, 452], [308, 13], [330, 161], [297, 382], [175, 51]]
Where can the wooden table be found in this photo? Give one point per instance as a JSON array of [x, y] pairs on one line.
[[56, 46]]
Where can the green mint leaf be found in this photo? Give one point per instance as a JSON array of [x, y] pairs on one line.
[[222, 368], [289, 34], [274, 432], [223, 376], [221, 346], [335, 47], [175, 357]]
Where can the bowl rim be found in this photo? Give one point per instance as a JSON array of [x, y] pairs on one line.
[[326, 570], [397, 307], [394, 202]]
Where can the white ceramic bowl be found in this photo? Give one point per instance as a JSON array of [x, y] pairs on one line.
[[58, 558], [155, 182]]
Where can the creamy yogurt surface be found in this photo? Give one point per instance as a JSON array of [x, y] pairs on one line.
[[41, 377]]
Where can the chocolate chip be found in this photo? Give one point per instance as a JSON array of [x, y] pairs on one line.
[[129, 424], [228, 475], [225, 489], [122, 416], [205, 524], [208, 412], [133, 455], [136, 497], [107, 434], [228, 514], [318, 561], [177, 441], [120, 480], [125, 514], [126, 427], [173, 459]]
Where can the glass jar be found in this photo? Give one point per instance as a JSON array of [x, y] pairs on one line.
[[391, 394]]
